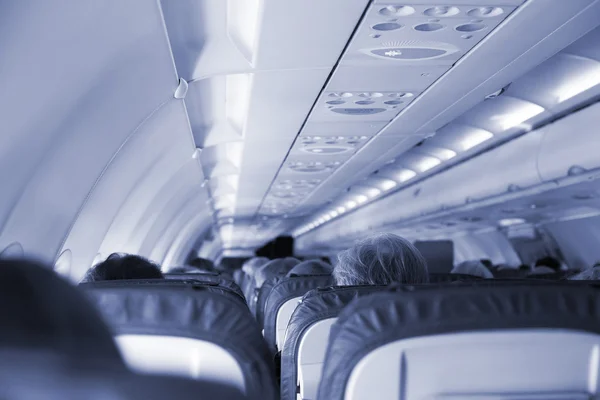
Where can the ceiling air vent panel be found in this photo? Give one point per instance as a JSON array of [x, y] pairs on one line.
[[431, 34]]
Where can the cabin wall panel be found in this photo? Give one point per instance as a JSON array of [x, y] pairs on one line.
[[74, 89]]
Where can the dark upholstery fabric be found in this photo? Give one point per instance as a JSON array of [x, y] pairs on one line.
[[32, 376], [40, 310], [210, 279], [284, 290], [193, 311], [372, 321], [441, 278], [261, 298], [316, 305]]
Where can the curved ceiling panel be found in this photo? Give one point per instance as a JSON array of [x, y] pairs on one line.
[[64, 122]]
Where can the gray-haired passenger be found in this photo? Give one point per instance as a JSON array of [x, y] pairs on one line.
[[591, 274], [311, 267], [254, 264], [380, 260], [473, 268]]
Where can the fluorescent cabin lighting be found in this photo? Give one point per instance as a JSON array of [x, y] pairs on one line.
[[426, 163], [579, 84], [341, 210], [405, 175], [473, 137], [351, 204], [388, 184], [333, 214], [373, 192], [523, 113], [511, 221], [361, 199]]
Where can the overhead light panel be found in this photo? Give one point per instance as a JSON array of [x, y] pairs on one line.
[[341, 210], [582, 81], [350, 205], [523, 113], [361, 199], [473, 137], [404, 175], [425, 163], [388, 184], [511, 221]]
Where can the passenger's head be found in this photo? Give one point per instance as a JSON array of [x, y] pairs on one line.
[[254, 264], [40, 311], [311, 267], [473, 268], [275, 268], [487, 263], [592, 274], [123, 266], [379, 260], [549, 262]]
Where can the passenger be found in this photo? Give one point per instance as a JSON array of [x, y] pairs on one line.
[[380, 260], [279, 267], [254, 264], [487, 263], [546, 265], [473, 268], [592, 274], [311, 267], [123, 266]]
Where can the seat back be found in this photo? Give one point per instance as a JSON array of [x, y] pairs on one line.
[[209, 278], [448, 277], [260, 298], [307, 335], [282, 301], [184, 328], [504, 341]]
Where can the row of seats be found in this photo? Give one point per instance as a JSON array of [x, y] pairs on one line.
[[353, 341]]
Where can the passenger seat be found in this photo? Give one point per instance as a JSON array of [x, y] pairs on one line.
[[189, 330], [454, 342], [282, 301], [307, 335]]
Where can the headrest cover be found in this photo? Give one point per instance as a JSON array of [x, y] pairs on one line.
[[285, 290], [311, 267], [40, 310], [191, 311], [209, 278], [372, 321]]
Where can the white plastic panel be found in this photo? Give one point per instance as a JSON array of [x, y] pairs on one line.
[[172, 355], [311, 356], [124, 192], [532, 363], [65, 118], [569, 142], [283, 318]]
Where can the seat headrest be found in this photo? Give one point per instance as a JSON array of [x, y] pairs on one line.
[[40, 310], [210, 283], [211, 278], [190, 311], [373, 321]]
